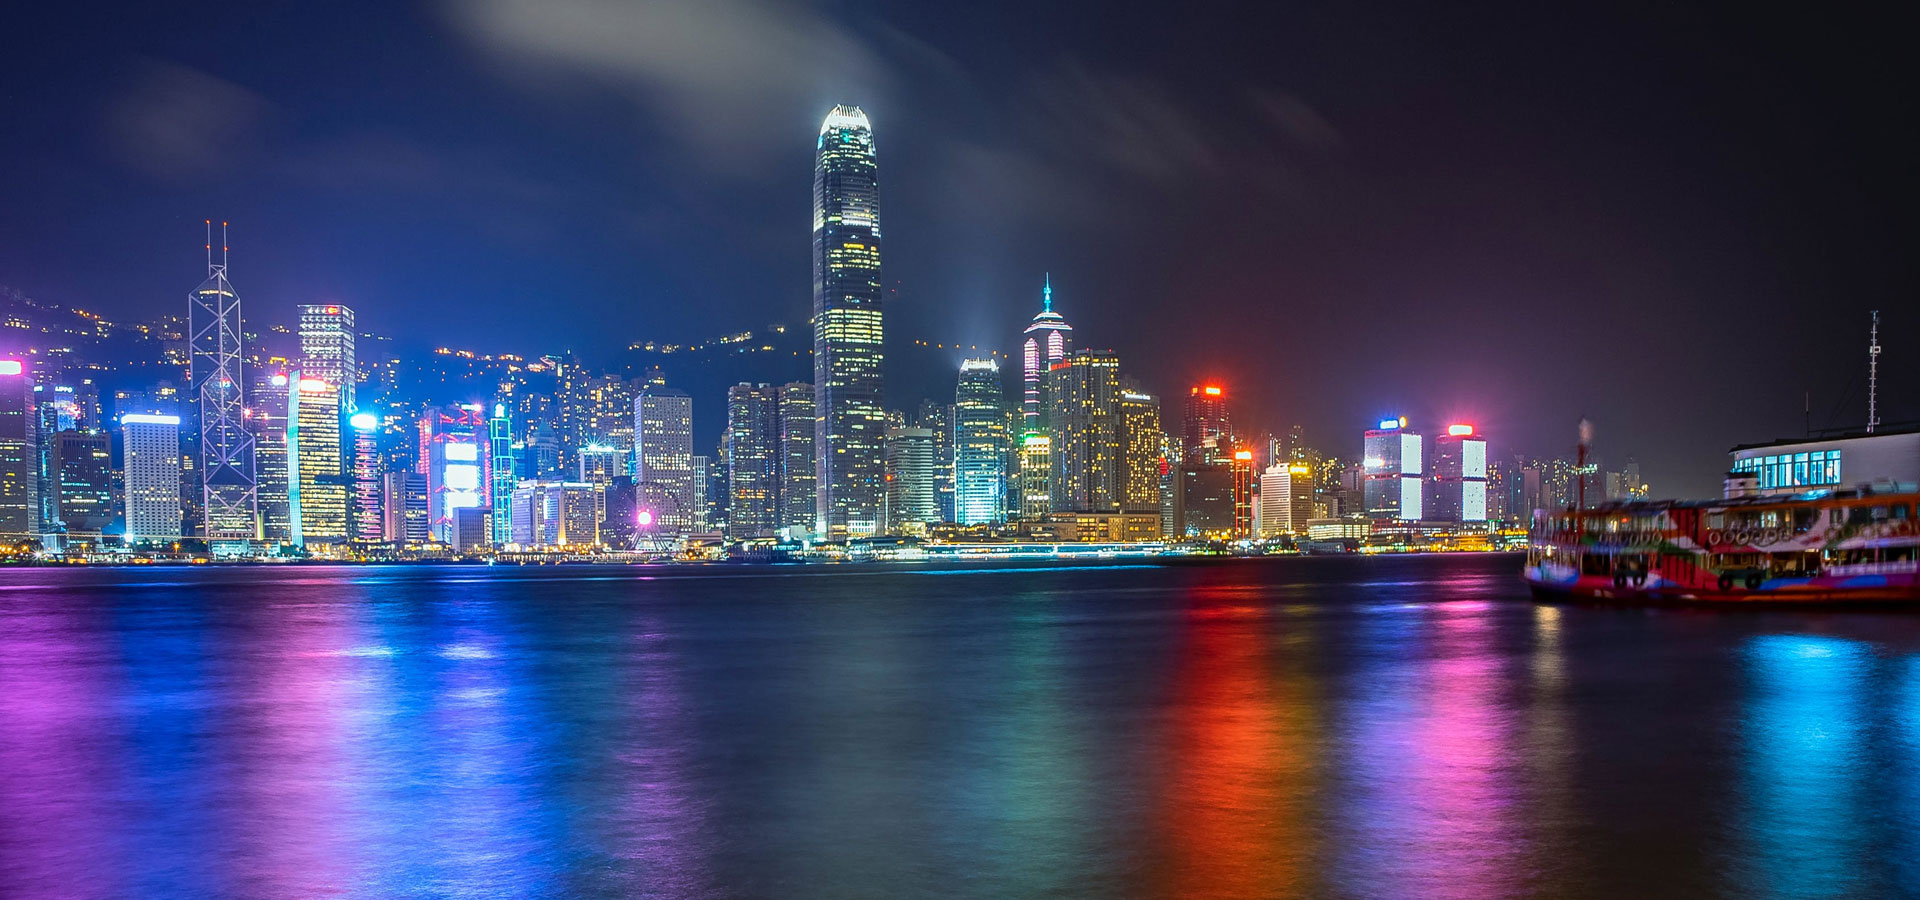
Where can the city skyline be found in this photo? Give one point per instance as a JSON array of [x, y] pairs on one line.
[[1453, 201]]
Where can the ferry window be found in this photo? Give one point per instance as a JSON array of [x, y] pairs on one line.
[[1810, 469], [1716, 520], [1803, 519], [1861, 515], [1900, 511]]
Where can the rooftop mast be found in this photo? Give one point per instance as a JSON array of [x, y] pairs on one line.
[[1873, 374]]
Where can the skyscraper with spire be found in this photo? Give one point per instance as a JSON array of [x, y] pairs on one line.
[[231, 496], [1049, 337], [850, 429]]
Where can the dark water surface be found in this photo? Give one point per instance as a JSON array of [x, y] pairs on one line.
[[1392, 728]]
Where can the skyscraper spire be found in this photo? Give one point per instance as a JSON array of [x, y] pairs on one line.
[[1048, 336]]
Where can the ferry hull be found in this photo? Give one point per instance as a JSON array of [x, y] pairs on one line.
[[1879, 590]]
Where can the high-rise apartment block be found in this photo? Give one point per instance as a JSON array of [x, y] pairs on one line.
[[150, 453]]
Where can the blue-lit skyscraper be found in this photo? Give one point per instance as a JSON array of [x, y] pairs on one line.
[[850, 429], [500, 474], [980, 445]]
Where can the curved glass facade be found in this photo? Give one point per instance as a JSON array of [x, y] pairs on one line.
[[850, 431]]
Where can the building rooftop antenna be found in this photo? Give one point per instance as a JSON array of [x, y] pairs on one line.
[[1873, 374], [209, 248], [223, 248]]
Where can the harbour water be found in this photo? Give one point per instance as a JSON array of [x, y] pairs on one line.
[[1404, 727]]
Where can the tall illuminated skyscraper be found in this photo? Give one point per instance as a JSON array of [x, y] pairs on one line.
[[326, 347], [1286, 499], [457, 451], [1083, 394], [83, 482], [799, 502], [316, 478], [1036, 472], [1207, 431], [271, 393], [500, 478], [850, 433], [1049, 337], [663, 470], [19, 455], [1393, 469], [753, 460], [912, 503], [229, 492], [368, 518], [980, 445], [1457, 491], [1141, 440]]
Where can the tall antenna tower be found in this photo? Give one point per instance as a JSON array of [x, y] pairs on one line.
[[231, 495], [1873, 374]]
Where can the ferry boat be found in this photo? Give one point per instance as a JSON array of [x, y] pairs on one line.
[[1851, 547]]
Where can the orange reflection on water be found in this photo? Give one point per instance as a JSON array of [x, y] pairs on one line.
[[1241, 758]]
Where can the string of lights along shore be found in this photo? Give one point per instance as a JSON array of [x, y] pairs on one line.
[[206, 434]]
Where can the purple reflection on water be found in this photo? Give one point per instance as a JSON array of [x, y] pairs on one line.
[[663, 833], [60, 771]]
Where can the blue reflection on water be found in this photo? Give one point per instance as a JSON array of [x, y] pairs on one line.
[[1805, 734], [1906, 778]]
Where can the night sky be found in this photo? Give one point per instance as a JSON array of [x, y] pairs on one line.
[[1671, 221]]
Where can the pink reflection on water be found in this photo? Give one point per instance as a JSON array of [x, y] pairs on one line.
[[1437, 808], [286, 748], [59, 775], [665, 828]]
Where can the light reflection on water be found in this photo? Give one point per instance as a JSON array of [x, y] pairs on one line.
[[1384, 728], [1805, 751]]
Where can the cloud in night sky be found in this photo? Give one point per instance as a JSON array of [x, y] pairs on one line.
[[172, 122], [724, 76]]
